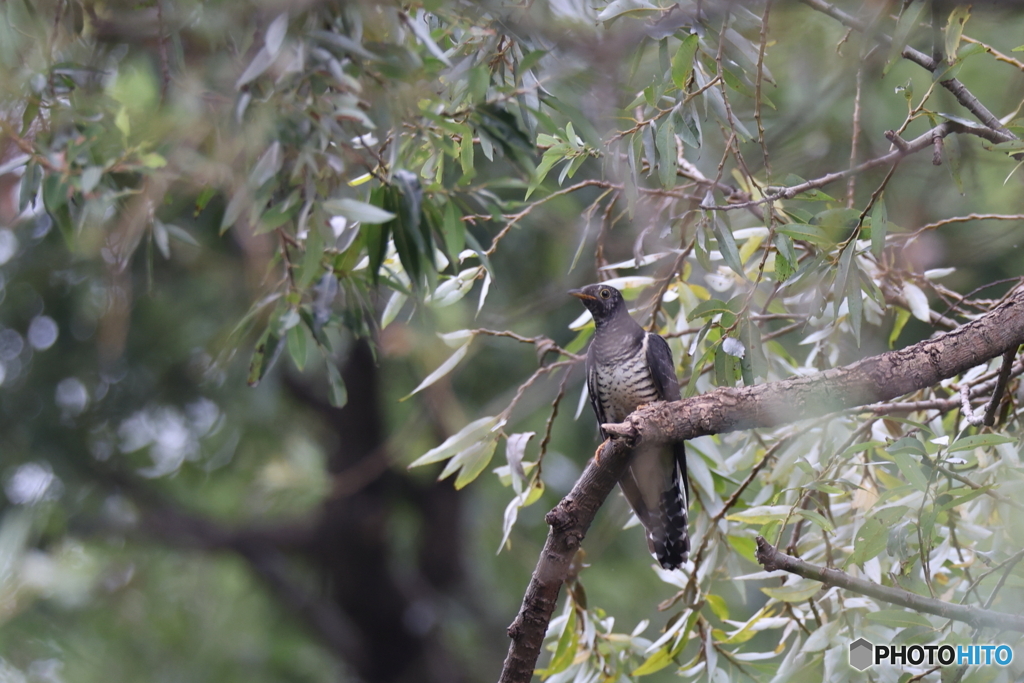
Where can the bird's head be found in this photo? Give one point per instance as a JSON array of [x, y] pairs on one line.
[[603, 302]]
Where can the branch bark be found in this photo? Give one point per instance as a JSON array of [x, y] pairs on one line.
[[878, 378], [772, 560]]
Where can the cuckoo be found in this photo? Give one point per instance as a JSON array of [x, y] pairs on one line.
[[628, 367]]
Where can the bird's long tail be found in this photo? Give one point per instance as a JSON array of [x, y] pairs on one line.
[[670, 538]]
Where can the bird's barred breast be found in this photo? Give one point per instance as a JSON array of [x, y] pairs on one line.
[[625, 384]]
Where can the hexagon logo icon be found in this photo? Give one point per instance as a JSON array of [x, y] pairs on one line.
[[861, 654]]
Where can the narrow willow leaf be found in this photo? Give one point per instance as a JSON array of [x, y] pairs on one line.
[[727, 246], [666, 143], [392, 309], [297, 346], [978, 441], [955, 29], [441, 370], [855, 301], [256, 67], [917, 302], [761, 514], [843, 273], [796, 593], [460, 441], [274, 37], [817, 519], [871, 538], [898, 618], [337, 393], [904, 26], [879, 225], [682, 61], [355, 210], [515, 449]]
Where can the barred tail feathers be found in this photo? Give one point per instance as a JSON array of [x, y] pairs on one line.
[[656, 488]]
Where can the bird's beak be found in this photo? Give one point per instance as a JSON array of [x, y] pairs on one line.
[[580, 294]]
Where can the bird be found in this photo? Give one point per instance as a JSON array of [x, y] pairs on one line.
[[628, 367]]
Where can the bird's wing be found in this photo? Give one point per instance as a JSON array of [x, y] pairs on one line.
[[591, 368], [658, 477], [663, 370]]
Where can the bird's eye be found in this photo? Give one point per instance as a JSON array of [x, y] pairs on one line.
[[605, 293]]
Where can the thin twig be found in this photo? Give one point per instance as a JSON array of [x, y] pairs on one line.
[[997, 394], [773, 560]]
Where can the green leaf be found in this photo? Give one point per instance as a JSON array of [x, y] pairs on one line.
[[472, 433], [911, 471], [965, 498], [843, 273], [682, 61], [547, 162], [817, 519], [907, 444], [311, 267], [472, 462], [30, 182], [655, 662], [355, 210], [620, 7], [838, 224], [239, 202], [904, 26], [718, 605], [466, 155], [666, 143], [91, 177], [297, 346], [442, 370], [454, 229], [807, 233], [978, 440], [727, 246], [879, 225], [798, 592], [565, 650], [337, 393], [954, 29], [761, 514], [952, 154], [122, 122], [266, 352], [902, 316], [898, 618], [871, 538], [856, 302], [708, 309]]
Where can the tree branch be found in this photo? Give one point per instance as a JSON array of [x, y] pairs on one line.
[[903, 148], [962, 94], [870, 380], [772, 560]]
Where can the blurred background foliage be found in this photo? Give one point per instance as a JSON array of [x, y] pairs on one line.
[[302, 196]]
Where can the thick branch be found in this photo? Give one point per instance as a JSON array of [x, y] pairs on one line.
[[772, 560], [878, 378], [569, 521], [870, 380]]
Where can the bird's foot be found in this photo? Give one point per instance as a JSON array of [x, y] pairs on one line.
[[597, 453]]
